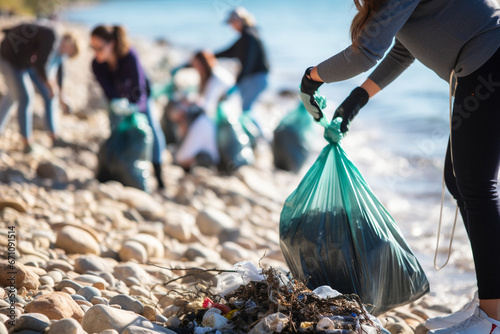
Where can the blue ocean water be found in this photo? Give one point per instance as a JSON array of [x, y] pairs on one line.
[[398, 140], [297, 34]]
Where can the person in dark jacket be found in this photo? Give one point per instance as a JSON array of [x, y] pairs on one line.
[[249, 50], [117, 68], [460, 41], [28, 54]]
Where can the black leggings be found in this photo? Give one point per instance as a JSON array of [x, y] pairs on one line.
[[472, 177]]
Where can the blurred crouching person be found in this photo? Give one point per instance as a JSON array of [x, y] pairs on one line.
[[117, 68], [215, 81], [194, 120], [197, 134]]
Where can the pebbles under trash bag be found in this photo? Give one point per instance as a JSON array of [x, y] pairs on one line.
[[334, 231], [232, 142], [126, 155], [291, 140]]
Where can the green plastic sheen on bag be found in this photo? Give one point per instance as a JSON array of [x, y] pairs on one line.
[[125, 156], [292, 138], [251, 129], [334, 231], [232, 142]]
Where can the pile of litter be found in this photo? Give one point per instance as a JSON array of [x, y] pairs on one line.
[[264, 301]]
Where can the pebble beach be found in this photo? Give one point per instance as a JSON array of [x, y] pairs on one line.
[[104, 258]]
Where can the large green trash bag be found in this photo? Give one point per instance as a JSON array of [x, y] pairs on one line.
[[292, 138], [334, 231], [232, 142], [126, 155]]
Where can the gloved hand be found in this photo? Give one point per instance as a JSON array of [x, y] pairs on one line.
[[122, 107], [308, 88], [350, 107]]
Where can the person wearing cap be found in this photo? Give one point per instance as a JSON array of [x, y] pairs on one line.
[[30, 54], [249, 50]]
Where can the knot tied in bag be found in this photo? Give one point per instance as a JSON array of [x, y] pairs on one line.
[[332, 131]]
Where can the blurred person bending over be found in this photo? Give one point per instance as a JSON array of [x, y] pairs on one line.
[[249, 50], [117, 68], [32, 54]]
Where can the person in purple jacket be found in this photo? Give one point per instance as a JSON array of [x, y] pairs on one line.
[[460, 41], [117, 68]]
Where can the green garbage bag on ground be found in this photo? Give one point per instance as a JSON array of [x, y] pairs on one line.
[[334, 231], [232, 142], [126, 155], [251, 128], [292, 138]]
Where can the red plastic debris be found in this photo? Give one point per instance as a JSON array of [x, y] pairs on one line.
[[207, 303], [224, 308]]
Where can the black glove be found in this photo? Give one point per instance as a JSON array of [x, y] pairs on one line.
[[308, 88], [350, 107]]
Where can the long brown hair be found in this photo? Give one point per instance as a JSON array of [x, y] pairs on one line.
[[208, 62], [115, 34], [366, 10]]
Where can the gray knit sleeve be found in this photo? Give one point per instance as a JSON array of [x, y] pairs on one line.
[[396, 61], [375, 40], [346, 65]]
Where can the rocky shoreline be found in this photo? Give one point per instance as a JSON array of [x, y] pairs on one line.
[[94, 258]]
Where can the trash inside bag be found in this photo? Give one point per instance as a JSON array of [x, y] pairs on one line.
[[291, 140], [232, 142], [125, 156], [334, 231]]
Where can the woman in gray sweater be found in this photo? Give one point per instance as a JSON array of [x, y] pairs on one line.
[[457, 39]]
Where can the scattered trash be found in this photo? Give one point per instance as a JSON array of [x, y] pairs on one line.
[[272, 323], [214, 319], [325, 291], [265, 301], [244, 272]]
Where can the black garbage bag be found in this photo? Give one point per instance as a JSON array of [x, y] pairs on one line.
[[292, 138], [126, 155], [334, 231], [232, 142]]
